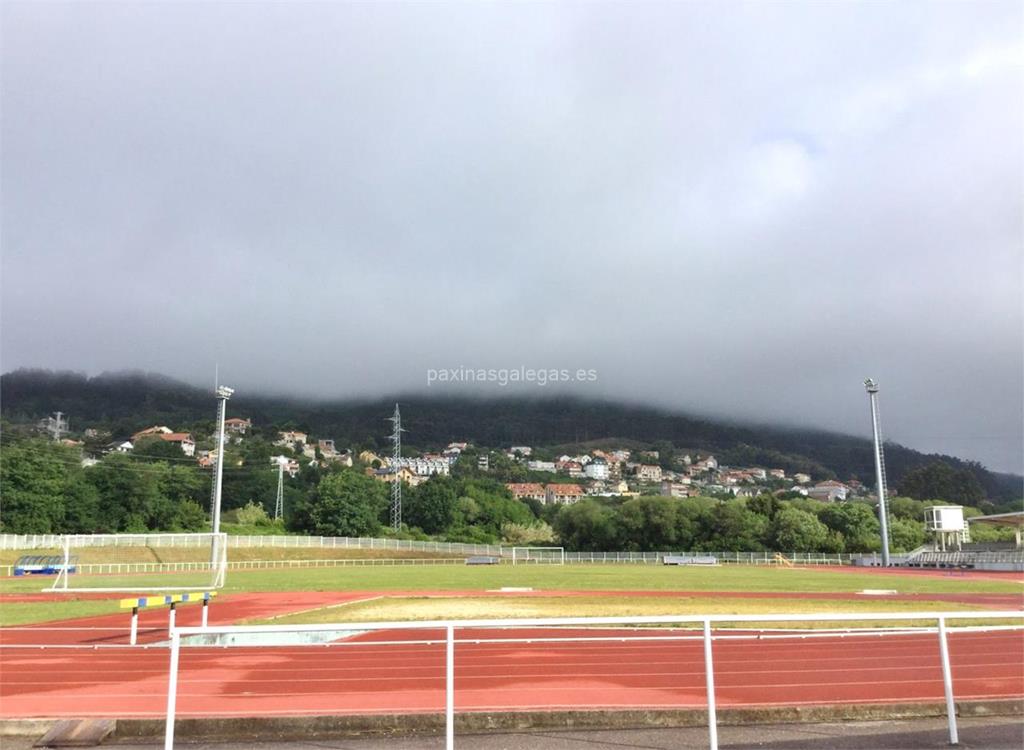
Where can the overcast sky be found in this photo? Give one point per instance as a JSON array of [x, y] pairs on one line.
[[724, 208]]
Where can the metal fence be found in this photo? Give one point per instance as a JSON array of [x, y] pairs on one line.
[[271, 634], [129, 568], [55, 541]]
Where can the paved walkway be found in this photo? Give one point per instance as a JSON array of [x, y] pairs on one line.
[[994, 733]]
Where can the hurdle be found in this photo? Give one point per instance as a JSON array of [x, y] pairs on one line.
[[168, 600]]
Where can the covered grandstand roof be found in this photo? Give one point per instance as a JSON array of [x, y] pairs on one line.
[[1001, 519]]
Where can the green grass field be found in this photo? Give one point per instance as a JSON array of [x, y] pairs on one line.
[[439, 578], [402, 608], [28, 613]]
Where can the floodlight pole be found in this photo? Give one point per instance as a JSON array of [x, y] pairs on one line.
[[872, 388], [279, 502], [223, 394]]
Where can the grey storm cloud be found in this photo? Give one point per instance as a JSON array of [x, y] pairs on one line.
[[727, 208]]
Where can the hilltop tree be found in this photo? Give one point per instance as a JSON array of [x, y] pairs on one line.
[[857, 524], [33, 475], [348, 504], [431, 506], [732, 527], [940, 481], [587, 526], [795, 530]]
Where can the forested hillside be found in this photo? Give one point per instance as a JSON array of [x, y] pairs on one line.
[[123, 403]]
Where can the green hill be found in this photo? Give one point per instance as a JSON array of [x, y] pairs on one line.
[[125, 402]]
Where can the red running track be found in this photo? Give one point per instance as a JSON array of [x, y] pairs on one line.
[[367, 676]]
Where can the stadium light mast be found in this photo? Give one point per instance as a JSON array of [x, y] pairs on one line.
[[396, 461], [223, 394], [872, 388], [279, 503]]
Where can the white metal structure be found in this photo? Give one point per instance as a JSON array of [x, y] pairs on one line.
[[223, 394], [450, 627], [538, 555], [110, 562], [396, 464], [282, 461], [948, 525], [876, 427]]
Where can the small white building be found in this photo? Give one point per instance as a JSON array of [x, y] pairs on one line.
[[597, 469], [426, 467], [289, 438], [829, 491], [947, 523], [548, 466], [183, 440]]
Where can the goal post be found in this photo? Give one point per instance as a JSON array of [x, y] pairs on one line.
[[538, 555], [136, 562]]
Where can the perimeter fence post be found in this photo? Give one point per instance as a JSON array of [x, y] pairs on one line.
[[709, 678], [449, 689], [172, 691], [135, 627], [947, 684]]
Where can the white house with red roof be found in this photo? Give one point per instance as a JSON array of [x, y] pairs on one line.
[[562, 494]]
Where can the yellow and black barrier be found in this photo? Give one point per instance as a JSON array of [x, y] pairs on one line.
[[165, 600]]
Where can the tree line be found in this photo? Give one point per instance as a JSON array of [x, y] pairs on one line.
[[122, 402], [46, 489]]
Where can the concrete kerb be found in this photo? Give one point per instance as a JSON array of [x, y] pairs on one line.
[[323, 727]]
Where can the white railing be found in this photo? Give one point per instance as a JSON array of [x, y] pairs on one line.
[[129, 568], [705, 622], [55, 541]]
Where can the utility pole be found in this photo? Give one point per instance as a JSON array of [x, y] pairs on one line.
[[396, 462], [57, 425], [872, 388], [279, 505], [223, 394]]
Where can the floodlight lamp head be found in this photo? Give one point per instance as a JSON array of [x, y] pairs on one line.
[[224, 392], [871, 386]]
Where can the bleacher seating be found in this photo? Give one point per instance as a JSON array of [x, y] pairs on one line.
[[482, 560], [689, 560], [985, 559]]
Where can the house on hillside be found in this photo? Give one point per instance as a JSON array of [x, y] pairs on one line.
[[677, 489], [291, 466], [648, 473], [289, 438], [597, 469], [573, 468], [387, 474], [801, 478], [426, 467], [237, 426], [183, 440], [829, 491], [548, 466], [562, 494], [154, 431], [523, 490], [369, 458]]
